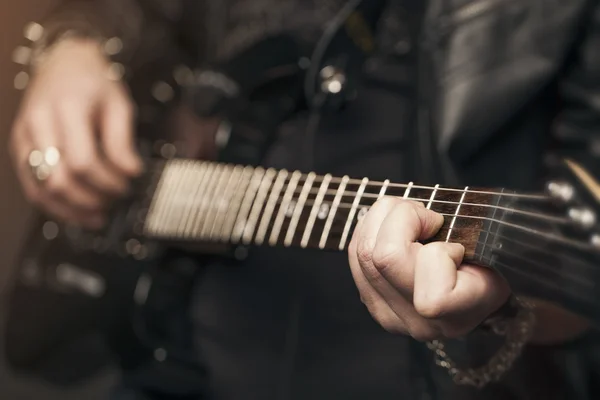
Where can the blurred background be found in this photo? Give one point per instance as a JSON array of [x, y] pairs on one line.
[[15, 213]]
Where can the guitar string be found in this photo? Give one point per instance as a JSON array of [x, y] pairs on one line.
[[573, 259], [547, 217], [351, 181], [517, 226]]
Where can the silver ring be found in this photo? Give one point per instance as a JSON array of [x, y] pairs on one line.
[[42, 163]]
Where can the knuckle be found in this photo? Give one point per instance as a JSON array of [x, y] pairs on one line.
[[364, 250], [81, 165], [386, 255], [388, 201], [57, 184], [37, 117], [427, 306]]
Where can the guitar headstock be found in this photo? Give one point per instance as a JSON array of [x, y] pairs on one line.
[[549, 245], [577, 191]]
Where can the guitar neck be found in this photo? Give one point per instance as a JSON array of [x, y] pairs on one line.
[[520, 235], [210, 202]]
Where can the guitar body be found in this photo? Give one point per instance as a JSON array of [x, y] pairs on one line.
[[70, 283]]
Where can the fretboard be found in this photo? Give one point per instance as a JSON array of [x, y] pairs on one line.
[[218, 203]]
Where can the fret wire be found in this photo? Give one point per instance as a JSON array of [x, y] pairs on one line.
[[263, 190], [201, 184], [270, 207], [462, 198], [186, 201], [287, 198], [432, 198], [210, 197], [352, 212], [176, 208], [562, 220], [383, 189], [208, 191], [377, 184], [199, 176], [236, 203], [407, 191], [242, 218], [216, 198], [225, 200], [171, 180], [332, 211], [298, 209], [315, 210], [157, 203], [583, 245]]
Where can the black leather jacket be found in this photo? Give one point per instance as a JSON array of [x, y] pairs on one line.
[[503, 85], [499, 80]]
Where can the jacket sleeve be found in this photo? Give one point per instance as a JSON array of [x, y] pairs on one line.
[[576, 131], [133, 32]]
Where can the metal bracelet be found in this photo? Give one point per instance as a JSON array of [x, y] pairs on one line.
[[517, 332]]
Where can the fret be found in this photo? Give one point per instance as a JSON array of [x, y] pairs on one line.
[[332, 211], [352, 212], [158, 207], [225, 200], [270, 207], [205, 193], [258, 205], [235, 204], [178, 203], [298, 209], [384, 187], [200, 176], [316, 208], [432, 198], [217, 197], [407, 191], [186, 199], [287, 198], [174, 179], [242, 217], [456, 213]]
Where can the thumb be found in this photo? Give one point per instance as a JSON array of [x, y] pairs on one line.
[[117, 133]]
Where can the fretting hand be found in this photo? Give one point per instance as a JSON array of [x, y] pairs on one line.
[[420, 290]]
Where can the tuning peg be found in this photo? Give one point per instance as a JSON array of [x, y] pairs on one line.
[[584, 217], [561, 191]]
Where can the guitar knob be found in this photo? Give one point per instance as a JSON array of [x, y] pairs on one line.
[[50, 230], [561, 191], [334, 80], [584, 217], [596, 240]]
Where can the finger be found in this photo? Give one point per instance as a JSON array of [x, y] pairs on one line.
[[117, 134], [82, 157], [366, 238], [366, 235], [444, 289], [55, 206], [394, 253], [377, 306]]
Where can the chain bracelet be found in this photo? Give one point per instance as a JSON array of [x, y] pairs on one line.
[[517, 333]]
